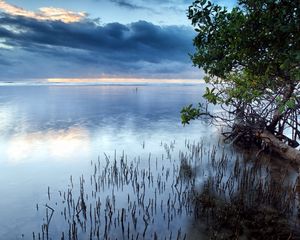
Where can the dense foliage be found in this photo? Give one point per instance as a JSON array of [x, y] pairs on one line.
[[251, 57]]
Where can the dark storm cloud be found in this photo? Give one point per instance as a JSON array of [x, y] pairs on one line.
[[113, 47]]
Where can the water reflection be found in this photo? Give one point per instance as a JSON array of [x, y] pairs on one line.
[[59, 145], [48, 133], [39, 123]]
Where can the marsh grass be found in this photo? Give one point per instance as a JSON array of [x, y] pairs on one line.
[[171, 196]]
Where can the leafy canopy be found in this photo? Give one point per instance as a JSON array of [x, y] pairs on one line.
[[260, 36], [250, 54]]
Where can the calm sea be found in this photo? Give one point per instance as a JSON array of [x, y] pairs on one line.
[[48, 133]]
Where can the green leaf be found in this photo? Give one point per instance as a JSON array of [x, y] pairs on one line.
[[203, 2], [291, 103], [281, 109]]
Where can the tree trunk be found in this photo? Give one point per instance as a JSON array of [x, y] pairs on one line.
[[277, 115], [280, 147]]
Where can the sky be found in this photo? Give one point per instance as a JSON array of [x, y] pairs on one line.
[[60, 39]]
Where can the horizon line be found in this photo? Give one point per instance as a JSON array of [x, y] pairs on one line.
[[100, 81], [123, 80]]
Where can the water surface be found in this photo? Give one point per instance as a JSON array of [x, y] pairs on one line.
[[48, 133]]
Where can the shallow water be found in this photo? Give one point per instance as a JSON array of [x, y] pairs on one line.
[[48, 133], [114, 162]]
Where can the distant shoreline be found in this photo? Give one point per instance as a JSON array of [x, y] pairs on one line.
[[24, 84]]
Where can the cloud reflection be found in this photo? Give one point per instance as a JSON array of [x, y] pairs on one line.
[[59, 145]]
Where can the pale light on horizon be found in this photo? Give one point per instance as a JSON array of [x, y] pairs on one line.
[[122, 80]]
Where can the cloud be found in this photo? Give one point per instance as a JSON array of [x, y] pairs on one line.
[[130, 5], [87, 49], [157, 7], [45, 13]]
